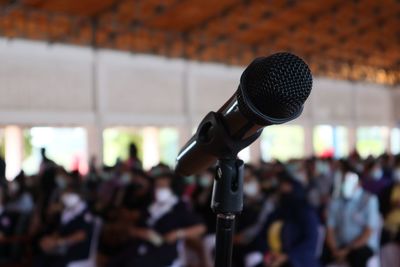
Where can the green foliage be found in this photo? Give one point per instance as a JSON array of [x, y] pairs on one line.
[[27, 144], [2, 146], [370, 141]]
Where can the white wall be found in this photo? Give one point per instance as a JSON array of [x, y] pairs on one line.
[[43, 84]]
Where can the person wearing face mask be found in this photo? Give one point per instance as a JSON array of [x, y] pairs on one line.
[[167, 221], [136, 194], [21, 200], [374, 179], [352, 224], [292, 229], [70, 241], [390, 207], [201, 199], [248, 250]]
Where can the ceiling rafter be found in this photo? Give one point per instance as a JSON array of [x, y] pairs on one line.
[[362, 39]]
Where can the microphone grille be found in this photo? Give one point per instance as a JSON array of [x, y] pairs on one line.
[[276, 86]]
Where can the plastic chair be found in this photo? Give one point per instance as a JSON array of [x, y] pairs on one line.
[[91, 261]]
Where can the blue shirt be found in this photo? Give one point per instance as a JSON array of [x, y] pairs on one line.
[[349, 218]]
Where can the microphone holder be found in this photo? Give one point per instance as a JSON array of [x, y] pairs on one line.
[[227, 201], [227, 195]]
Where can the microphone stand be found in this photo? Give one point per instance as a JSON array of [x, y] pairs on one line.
[[227, 201], [213, 138]]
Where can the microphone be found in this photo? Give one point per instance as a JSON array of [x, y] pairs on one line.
[[272, 90]]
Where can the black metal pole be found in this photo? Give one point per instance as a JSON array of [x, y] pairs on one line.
[[227, 201], [224, 236]]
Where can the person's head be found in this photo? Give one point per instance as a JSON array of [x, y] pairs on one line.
[[206, 178], [18, 185], [71, 197], [298, 171], [350, 185], [141, 179], [62, 178], [164, 187], [133, 150], [374, 170], [291, 192], [322, 167], [251, 185], [159, 169]]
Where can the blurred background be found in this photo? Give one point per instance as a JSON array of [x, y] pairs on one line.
[[98, 96]]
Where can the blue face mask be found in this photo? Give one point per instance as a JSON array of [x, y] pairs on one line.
[[61, 182], [189, 179], [377, 174], [205, 181], [125, 178]]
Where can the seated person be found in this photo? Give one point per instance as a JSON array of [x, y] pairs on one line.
[[292, 229], [249, 224], [20, 199], [6, 228], [70, 241], [162, 225], [353, 219], [390, 207]]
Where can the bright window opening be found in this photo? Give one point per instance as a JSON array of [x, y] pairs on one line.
[[65, 146], [282, 142], [372, 140]]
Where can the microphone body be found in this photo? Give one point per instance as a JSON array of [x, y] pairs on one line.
[[261, 99]]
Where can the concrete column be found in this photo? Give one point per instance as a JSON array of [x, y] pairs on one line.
[[151, 147], [95, 143], [352, 136], [308, 140], [14, 149], [387, 137]]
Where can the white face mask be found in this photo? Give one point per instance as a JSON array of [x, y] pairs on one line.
[[349, 185], [163, 195], [396, 175], [70, 200], [377, 174], [251, 188]]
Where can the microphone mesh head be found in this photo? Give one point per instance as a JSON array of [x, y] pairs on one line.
[[277, 86]]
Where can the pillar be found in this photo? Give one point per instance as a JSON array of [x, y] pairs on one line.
[[308, 140], [14, 150], [95, 143], [151, 147], [352, 136]]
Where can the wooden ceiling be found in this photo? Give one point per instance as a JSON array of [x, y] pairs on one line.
[[345, 39]]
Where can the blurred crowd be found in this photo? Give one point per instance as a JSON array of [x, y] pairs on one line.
[[301, 213]]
